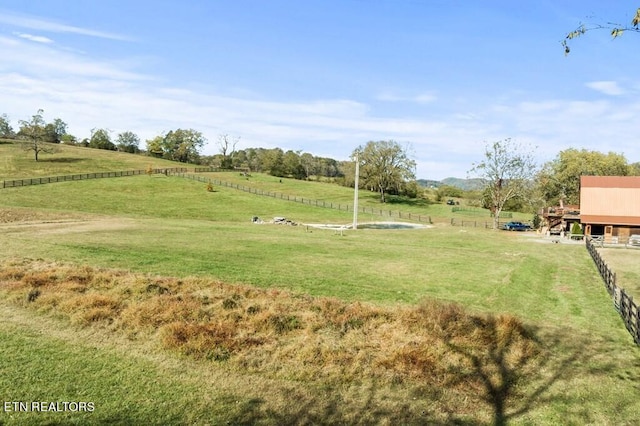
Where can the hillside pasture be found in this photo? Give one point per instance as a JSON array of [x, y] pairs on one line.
[[104, 243], [16, 162]]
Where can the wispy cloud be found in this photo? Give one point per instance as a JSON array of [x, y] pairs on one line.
[[611, 88], [47, 61], [421, 98], [40, 24], [120, 95], [37, 39]]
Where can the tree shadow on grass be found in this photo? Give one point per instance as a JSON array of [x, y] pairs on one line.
[[329, 408], [60, 160], [509, 377], [506, 365], [413, 202]]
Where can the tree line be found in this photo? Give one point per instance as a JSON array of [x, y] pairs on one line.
[[385, 165], [509, 177]]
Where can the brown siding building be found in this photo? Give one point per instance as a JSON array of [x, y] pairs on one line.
[[610, 206]]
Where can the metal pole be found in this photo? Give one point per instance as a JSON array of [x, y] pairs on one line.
[[355, 195]]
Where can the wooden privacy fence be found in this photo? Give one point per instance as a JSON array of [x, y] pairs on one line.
[[84, 176], [623, 303], [310, 201]]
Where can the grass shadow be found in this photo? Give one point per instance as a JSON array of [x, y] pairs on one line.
[[504, 364], [328, 407], [60, 160]]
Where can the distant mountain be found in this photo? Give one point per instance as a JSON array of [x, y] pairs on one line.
[[427, 183], [464, 184]]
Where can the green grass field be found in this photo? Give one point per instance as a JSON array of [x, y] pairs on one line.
[[161, 226]]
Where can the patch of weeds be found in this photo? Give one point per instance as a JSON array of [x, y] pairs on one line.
[[229, 304], [352, 324], [219, 353], [157, 289], [253, 309], [33, 295], [284, 323]]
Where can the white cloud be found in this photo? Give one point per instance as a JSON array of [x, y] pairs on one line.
[[611, 88], [37, 39], [89, 93], [421, 98], [36, 23]]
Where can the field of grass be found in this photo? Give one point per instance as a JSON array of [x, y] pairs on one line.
[[533, 338], [626, 264], [16, 162]]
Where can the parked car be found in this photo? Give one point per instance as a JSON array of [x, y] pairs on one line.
[[516, 226]]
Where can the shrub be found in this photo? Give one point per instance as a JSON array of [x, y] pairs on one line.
[[576, 228]]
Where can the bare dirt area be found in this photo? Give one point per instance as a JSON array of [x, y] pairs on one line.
[[15, 215], [53, 223]]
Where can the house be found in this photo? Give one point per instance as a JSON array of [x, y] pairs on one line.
[[610, 206], [560, 218]]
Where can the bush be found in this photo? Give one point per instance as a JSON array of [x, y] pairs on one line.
[[576, 229]]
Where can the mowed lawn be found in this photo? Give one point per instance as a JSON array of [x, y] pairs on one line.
[[175, 227]]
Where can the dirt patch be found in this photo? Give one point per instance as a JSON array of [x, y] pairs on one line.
[[59, 223], [73, 226], [15, 215]]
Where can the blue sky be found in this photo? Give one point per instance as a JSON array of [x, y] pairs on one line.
[[444, 77]]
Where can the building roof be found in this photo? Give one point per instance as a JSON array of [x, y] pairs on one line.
[[610, 182], [610, 200]]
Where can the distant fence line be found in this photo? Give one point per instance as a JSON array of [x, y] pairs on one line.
[[85, 176], [466, 209], [623, 303], [487, 224], [182, 172], [310, 201]]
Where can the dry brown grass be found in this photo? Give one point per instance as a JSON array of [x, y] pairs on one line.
[[283, 335]]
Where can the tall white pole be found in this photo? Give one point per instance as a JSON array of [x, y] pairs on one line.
[[355, 195]]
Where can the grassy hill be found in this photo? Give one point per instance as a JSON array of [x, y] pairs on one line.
[[16, 162], [163, 304]]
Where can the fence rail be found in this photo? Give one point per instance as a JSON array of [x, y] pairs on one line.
[[623, 303], [392, 214], [183, 173], [85, 176]]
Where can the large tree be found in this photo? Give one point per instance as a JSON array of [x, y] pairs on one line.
[[6, 131], [227, 145], [507, 172], [32, 132], [128, 142], [272, 162], [55, 131], [560, 178], [101, 139], [178, 145], [385, 166]]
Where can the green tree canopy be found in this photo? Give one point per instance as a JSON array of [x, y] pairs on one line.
[[128, 142], [273, 162], [178, 145], [385, 166], [55, 131], [560, 178], [507, 172], [32, 132], [6, 131], [101, 139]]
